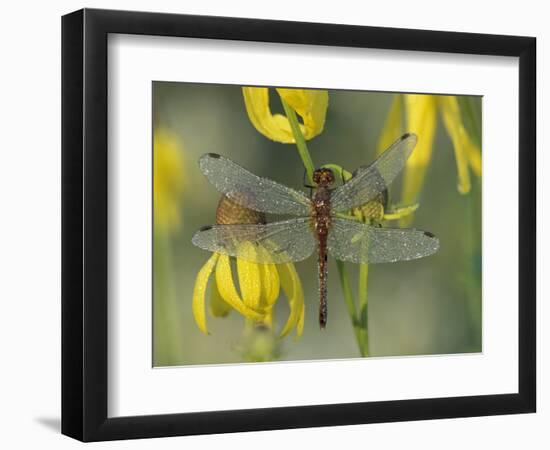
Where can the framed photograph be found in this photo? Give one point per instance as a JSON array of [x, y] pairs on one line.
[[274, 225]]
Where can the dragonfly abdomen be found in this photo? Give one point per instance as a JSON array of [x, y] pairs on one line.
[[323, 275], [322, 224]]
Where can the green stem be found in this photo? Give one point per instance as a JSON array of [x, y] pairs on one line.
[[350, 304], [300, 141], [360, 333], [343, 173], [363, 306]]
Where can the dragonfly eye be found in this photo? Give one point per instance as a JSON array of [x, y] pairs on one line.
[[323, 177]]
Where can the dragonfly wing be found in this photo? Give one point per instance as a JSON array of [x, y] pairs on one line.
[[251, 191], [368, 181], [357, 242], [272, 243]]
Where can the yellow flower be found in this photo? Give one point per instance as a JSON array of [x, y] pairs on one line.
[[259, 284], [421, 115], [376, 210], [168, 180], [310, 104]]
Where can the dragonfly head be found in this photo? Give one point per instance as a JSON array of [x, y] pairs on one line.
[[323, 177]]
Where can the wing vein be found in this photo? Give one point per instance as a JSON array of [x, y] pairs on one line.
[[369, 181], [251, 191], [272, 243]]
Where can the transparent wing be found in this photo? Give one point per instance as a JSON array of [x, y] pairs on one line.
[[251, 191], [272, 243], [370, 180], [360, 243]]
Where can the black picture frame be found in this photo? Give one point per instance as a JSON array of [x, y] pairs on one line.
[[84, 224]]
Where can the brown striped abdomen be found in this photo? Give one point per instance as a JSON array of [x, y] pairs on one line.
[[321, 223], [323, 274]]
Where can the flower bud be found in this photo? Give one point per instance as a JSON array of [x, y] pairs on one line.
[[230, 212]]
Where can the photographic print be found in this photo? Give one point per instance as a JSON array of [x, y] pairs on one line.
[[308, 224], [307, 210]]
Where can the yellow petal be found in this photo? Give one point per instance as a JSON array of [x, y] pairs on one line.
[[450, 113], [290, 282], [275, 127], [249, 279], [268, 320], [300, 323], [226, 287], [474, 155], [393, 127], [400, 212], [421, 117], [311, 105], [199, 293], [218, 306], [270, 284]]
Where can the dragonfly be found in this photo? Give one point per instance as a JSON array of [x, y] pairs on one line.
[[318, 223]]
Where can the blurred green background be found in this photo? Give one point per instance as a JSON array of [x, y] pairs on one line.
[[428, 306]]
